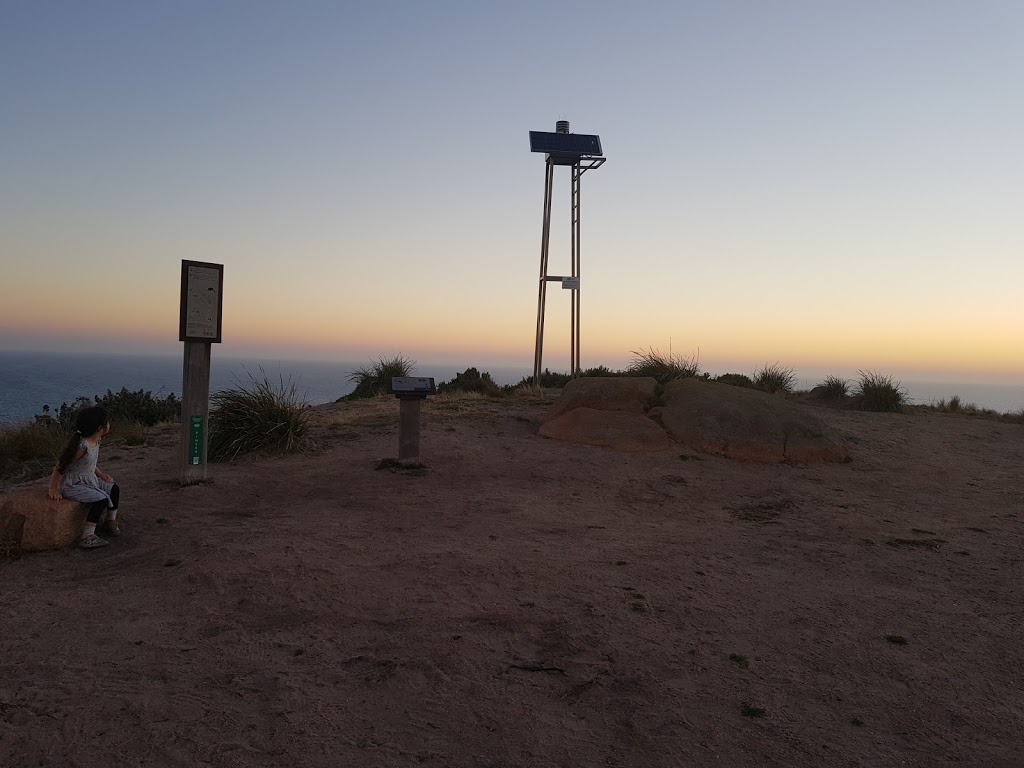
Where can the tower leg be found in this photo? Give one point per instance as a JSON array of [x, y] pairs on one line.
[[542, 288], [575, 298]]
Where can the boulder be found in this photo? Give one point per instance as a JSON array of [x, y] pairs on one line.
[[31, 521], [621, 430], [746, 424], [605, 393]]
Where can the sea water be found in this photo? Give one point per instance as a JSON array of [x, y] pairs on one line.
[[30, 380]]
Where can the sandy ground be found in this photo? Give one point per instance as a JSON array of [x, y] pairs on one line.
[[534, 603]]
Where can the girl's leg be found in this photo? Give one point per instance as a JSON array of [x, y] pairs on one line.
[[115, 495], [96, 510], [111, 527]]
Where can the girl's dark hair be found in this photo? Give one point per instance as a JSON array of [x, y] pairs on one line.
[[88, 422]]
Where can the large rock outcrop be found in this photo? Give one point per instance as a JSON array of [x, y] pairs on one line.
[[746, 424], [609, 393], [618, 429]]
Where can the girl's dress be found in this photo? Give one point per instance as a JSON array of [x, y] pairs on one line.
[[79, 481]]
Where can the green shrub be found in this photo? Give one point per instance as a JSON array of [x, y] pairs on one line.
[[547, 379], [664, 368], [140, 407], [471, 380], [375, 378], [835, 388], [601, 370], [774, 378], [259, 416], [880, 393], [736, 380]]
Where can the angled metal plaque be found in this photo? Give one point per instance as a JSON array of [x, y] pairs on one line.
[[412, 385]]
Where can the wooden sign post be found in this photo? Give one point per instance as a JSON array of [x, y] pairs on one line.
[[410, 391], [202, 305]]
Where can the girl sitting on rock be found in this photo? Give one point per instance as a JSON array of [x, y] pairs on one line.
[[76, 477]]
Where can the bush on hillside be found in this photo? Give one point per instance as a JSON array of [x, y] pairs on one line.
[[736, 380], [258, 416], [547, 379], [471, 380], [140, 407], [30, 449]]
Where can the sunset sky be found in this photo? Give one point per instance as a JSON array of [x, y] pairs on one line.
[[826, 184]]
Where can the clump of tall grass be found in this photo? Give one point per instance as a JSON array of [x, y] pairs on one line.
[[954, 405], [880, 393], [774, 378], [257, 416], [663, 367], [375, 379], [835, 388]]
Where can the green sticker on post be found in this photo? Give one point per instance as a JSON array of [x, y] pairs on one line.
[[195, 442]]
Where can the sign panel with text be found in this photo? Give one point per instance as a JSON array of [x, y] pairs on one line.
[[202, 301]]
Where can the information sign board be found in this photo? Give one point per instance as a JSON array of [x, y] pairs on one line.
[[571, 283], [412, 385], [202, 301]]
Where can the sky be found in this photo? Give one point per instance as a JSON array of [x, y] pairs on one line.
[[830, 185]]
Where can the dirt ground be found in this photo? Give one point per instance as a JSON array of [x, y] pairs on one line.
[[526, 602]]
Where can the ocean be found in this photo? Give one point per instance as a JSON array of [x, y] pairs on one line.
[[30, 380]]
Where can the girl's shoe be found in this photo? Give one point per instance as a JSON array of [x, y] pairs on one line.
[[92, 541], [111, 528]]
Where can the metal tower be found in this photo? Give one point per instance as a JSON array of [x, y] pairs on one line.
[[580, 152]]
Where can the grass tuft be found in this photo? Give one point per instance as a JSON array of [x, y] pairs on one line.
[[774, 378], [749, 711], [664, 368], [896, 639], [880, 393], [375, 378], [259, 416], [836, 388]]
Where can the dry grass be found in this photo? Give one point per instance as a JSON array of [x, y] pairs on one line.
[[383, 409], [661, 366], [956, 405], [257, 416], [879, 393], [773, 378]]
